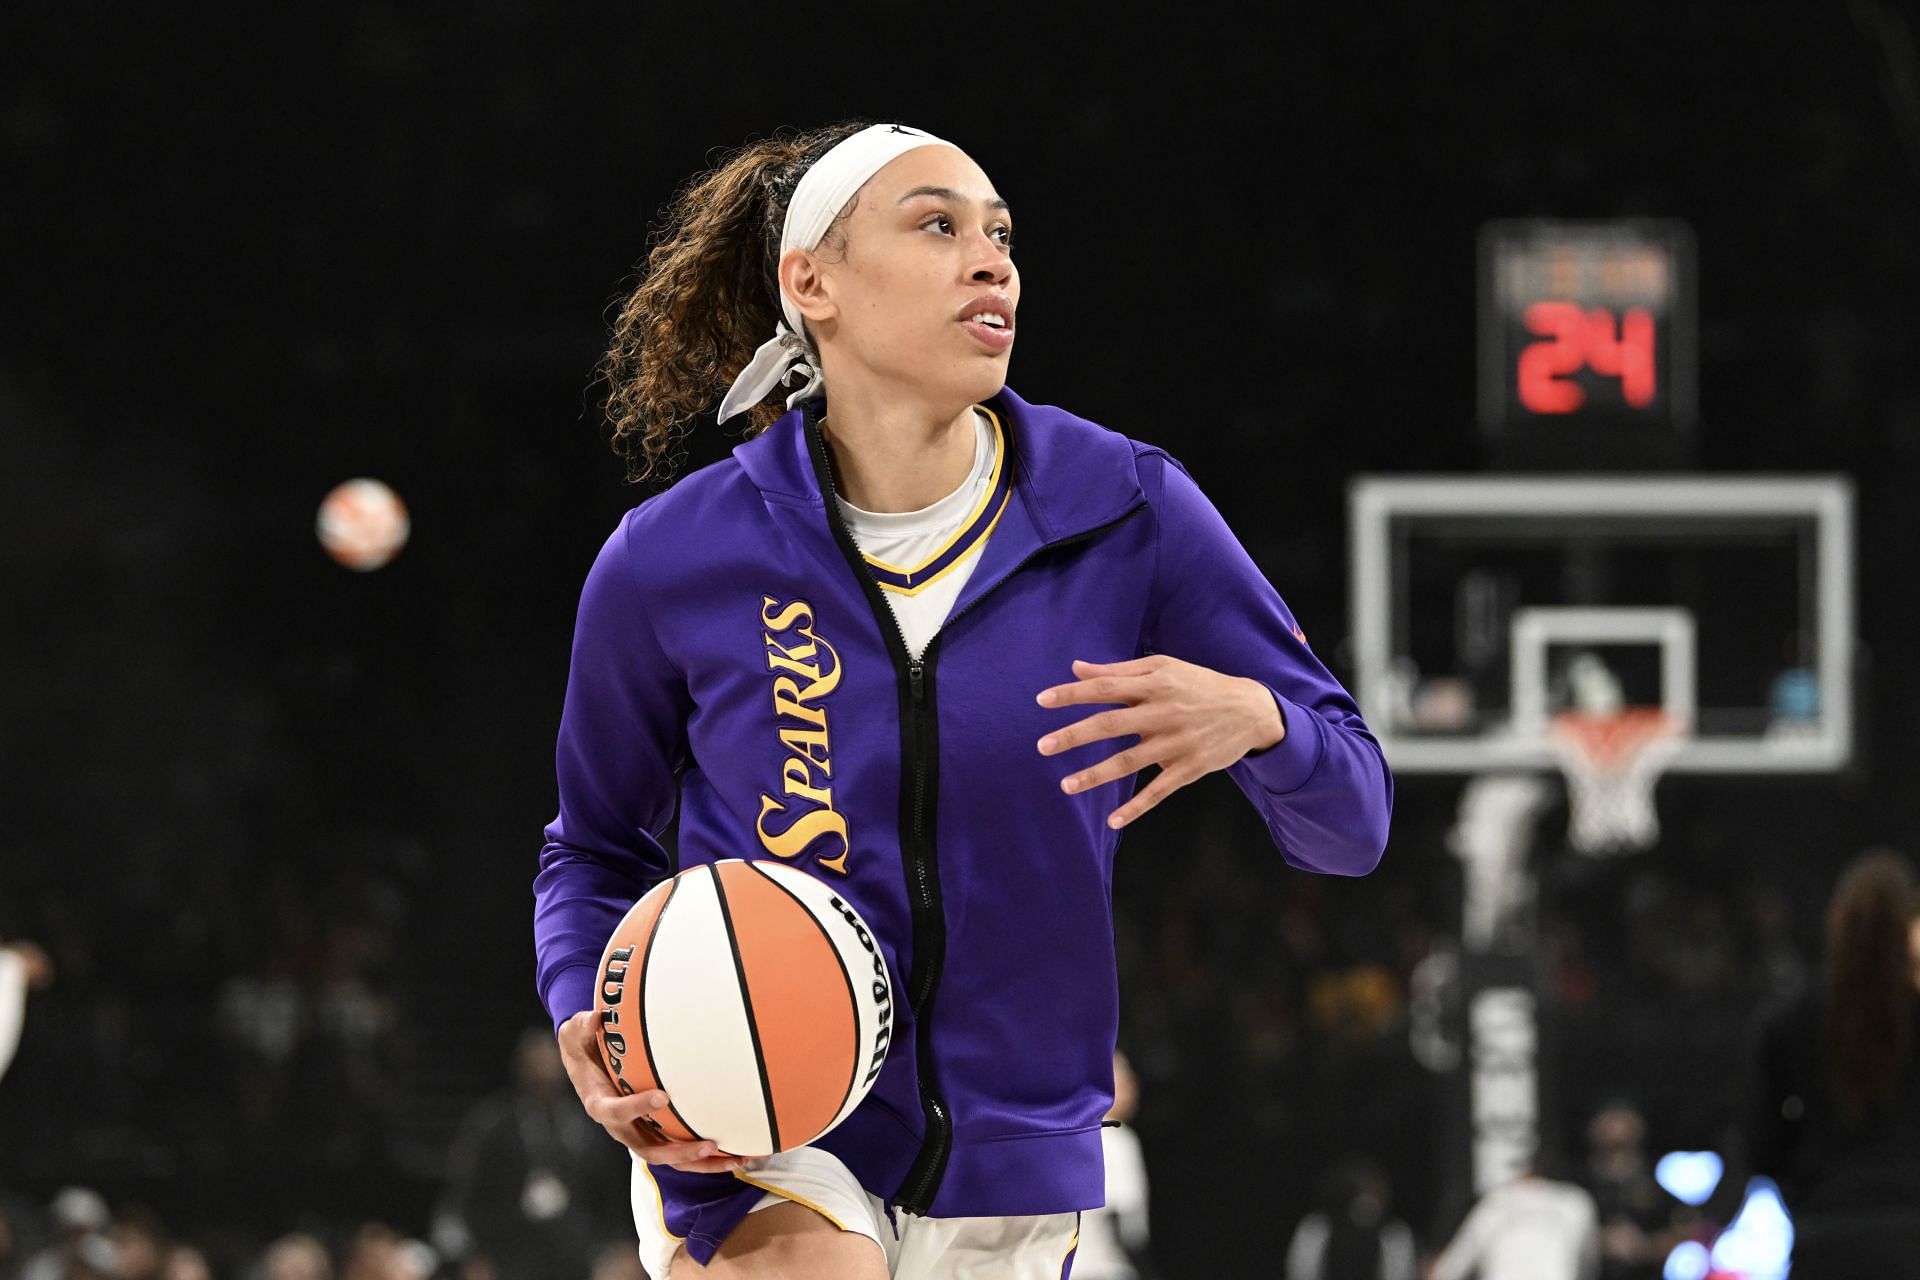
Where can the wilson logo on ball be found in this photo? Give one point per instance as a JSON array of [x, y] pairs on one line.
[[754, 996]]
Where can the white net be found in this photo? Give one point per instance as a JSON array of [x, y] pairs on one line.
[[1612, 761]]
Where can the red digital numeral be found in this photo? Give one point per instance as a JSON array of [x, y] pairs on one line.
[[1572, 340], [1544, 365]]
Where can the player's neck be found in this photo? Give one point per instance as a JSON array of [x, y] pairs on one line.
[[891, 455]]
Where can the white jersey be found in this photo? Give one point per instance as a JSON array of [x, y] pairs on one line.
[[13, 1005], [1106, 1233], [1530, 1229], [922, 558], [1033, 1247]]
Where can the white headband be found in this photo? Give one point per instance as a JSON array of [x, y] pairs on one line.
[[821, 193]]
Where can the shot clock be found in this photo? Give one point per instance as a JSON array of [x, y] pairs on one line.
[[1586, 340]]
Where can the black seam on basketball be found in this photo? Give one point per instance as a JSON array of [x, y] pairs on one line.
[[853, 1000], [746, 1004], [640, 994]]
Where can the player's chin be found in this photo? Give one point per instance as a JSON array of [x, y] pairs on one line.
[[981, 377]]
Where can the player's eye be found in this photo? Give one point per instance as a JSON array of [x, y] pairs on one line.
[[945, 224]]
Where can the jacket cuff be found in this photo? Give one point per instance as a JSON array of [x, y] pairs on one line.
[[1289, 763], [570, 991]]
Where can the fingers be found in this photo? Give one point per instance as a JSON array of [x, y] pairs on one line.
[[702, 1156], [692, 1157], [1102, 681], [1132, 666], [623, 1115], [616, 1108], [719, 1164], [580, 1055], [1097, 689], [1163, 785], [1118, 765], [1101, 724]]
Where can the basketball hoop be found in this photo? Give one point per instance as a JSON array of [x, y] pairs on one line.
[[1612, 761]]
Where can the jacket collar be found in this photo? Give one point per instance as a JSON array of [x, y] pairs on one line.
[[1070, 475]]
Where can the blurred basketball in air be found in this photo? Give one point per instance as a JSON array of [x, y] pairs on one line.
[[755, 996], [363, 524]]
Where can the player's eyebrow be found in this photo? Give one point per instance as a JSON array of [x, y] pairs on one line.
[[948, 193]]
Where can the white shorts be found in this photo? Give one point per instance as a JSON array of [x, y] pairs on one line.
[[1030, 1248]]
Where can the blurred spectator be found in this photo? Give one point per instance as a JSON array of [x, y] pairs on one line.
[[294, 1257], [1353, 1008], [184, 1262], [1776, 964], [618, 1262], [1533, 1228], [1352, 1236], [535, 1186], [1833, 1101], [262, 1014], [79, 1219], [137, 1240], [1637, 1228], [1113, 1238], [379, 1253]]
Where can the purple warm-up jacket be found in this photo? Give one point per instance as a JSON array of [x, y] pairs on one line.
[[733, 653]]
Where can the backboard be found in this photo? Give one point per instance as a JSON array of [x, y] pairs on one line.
[[1483, 605]]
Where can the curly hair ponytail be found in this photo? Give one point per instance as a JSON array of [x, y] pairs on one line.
[[707, 297]]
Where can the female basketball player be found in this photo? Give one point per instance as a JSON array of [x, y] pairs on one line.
[[874, 642], [1832, 1110]]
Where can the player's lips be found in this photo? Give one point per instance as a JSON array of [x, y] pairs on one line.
[[995, 337]]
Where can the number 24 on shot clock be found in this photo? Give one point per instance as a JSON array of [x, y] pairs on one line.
[[1586, 322]]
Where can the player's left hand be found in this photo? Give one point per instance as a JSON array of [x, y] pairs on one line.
[[1191, 720]]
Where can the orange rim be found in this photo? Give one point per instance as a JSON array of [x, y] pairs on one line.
[[1606, 742]]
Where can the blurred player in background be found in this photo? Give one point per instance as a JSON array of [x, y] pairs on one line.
[[1353, 1236], [24, 967], [533, 1184], [1638, 1226], [1833, 1100], [1113, 1238], [1533, 1228]]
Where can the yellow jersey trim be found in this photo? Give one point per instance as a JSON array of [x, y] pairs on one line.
[[993, 481], [659, 1204], [980, 542], [785, 1194], [1071, 1244]]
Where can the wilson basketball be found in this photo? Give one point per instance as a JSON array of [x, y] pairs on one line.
[[362, 524], [754, 995]]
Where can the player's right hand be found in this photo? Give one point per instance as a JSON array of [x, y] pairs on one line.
[[620, 1114]]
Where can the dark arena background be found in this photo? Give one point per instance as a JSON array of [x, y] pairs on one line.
[[273, 823]]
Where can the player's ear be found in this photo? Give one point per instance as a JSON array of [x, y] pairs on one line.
[[806, 286]]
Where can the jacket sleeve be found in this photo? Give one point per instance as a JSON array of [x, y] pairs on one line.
[[1324, 789], [622, 746]]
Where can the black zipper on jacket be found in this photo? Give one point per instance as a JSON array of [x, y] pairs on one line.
[[920, 752]]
